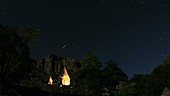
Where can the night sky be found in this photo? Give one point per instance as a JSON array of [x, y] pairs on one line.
[[135, 33]]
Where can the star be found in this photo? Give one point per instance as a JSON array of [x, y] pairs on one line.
[[161, 38]]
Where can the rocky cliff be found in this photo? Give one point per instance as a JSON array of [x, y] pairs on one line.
[[55, 64]]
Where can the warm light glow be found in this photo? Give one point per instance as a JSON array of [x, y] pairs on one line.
[[60, 85], [65, 78], [50, 81]]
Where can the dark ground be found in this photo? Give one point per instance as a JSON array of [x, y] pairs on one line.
[[26, 91]]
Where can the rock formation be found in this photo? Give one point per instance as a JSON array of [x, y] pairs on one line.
[[166, 92], [55, 64]]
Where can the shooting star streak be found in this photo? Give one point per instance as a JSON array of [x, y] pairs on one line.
[[65, 45]]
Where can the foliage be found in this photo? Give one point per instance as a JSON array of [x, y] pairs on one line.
[[139, 85], [88, 78], [14, 53], [112, 76], [89, 60], [128, 90], [150, 84], [91, 78], [161, 76]]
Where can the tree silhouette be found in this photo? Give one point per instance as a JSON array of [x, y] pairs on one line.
[[13, 50], [112, 76], [88, 78]]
